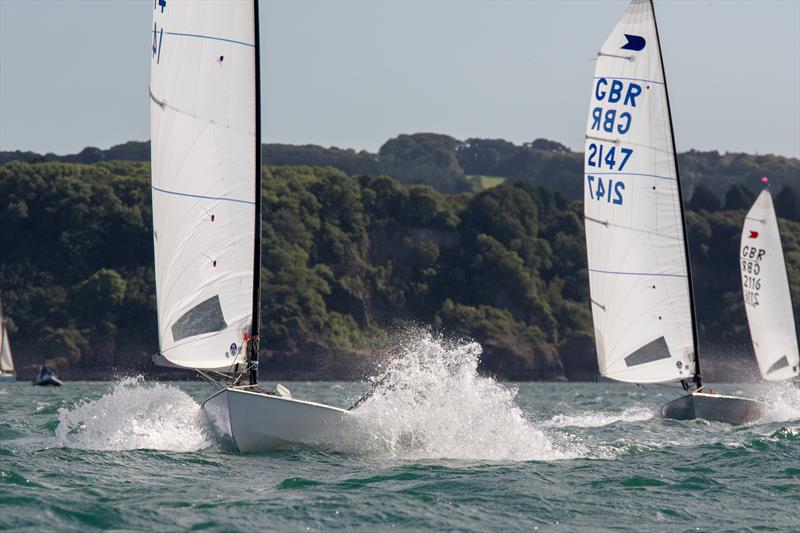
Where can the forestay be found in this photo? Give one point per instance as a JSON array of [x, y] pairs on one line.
[[765, 287], [203, 131], [638, 271]]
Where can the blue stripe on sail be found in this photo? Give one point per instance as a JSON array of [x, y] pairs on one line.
[[221, 198], [210, 37], [628, 79], [630, 174], [638, 273]]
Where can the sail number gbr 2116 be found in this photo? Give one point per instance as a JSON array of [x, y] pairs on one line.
[[606, 188]]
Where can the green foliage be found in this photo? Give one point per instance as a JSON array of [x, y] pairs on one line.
[[787, 204], [704, 200], [424, 158], [738, 197], [453, 166], [347, 254]]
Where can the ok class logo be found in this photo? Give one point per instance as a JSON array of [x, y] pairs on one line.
[[634, 42]]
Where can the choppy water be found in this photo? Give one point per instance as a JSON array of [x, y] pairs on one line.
[[450, 451]]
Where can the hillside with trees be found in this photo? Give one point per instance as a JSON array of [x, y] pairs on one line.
[[351, 258], [453, 166]]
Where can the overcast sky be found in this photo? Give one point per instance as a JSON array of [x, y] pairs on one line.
[[353, 74]]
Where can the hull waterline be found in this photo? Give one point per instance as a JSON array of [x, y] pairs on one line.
[[258, 422], [714, 408]]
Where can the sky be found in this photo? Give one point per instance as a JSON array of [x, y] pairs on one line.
[[354, 74]]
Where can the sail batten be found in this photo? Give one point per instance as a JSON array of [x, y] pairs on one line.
[[203, 100], [638, 269], [765, 288]]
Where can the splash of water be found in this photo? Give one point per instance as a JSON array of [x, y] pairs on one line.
[[431, 403], [591, 419], [782, 400], [135, 415]]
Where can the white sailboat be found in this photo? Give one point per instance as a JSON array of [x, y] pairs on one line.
[[765, 287], [639, 275], [206, 186], [7, 372]]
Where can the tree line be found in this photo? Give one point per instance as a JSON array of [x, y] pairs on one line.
[[453, 166], [347, 260]]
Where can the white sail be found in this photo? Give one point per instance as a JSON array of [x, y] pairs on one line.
[[6, 361], [638, 271], [203, 134], [765, 287]]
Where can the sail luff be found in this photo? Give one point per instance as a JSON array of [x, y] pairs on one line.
[[698, 378], [255, 336]]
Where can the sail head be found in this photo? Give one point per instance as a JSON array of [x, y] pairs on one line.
[[204, 162], [638, 268]]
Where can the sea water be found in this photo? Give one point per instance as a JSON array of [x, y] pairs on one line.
[[449, 450]]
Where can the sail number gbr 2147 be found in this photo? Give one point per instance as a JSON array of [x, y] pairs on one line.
[[606, 188]]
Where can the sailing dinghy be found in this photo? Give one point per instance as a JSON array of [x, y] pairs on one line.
[[765, 287], [639, 276], [206, 187], [6, 361]]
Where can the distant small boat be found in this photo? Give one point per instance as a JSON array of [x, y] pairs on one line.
[[7, 373], [47, 376], [765, 287], [639, 276]]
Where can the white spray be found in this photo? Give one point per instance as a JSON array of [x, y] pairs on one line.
[[432, 403], [135, 415]]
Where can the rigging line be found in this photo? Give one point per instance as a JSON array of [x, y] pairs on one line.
[[630, 142], [211, 37], [208, 121], [161, 103], [630, 228], [604, 223], [658, 274], [630, 174], [202, 197], [615, 141], [628, 79], [626, 58]]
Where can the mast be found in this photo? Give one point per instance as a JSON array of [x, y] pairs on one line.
[[698, 378], [255, 326], [2, 336]]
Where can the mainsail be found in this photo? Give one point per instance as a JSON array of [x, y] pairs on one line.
[[205, 177], [765, 287], [635, 237], [6, 361]]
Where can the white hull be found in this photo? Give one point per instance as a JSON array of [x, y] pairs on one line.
[[257, 422], [6, 377], [714, 407]]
